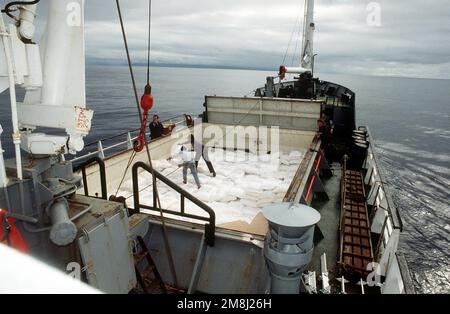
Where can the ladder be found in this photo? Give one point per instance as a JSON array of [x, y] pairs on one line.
[[146, 282]]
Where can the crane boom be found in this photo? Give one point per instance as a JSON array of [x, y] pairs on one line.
[[53, 75]]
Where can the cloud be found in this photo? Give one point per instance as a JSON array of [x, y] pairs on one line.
[[411, 41]]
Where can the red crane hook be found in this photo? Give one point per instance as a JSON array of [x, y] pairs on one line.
[[146, 105]]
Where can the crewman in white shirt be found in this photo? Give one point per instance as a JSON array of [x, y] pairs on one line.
[[189, 163]]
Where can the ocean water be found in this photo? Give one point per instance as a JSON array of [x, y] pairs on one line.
[[409, 119]]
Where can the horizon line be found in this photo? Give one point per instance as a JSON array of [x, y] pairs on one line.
[[243, 68]]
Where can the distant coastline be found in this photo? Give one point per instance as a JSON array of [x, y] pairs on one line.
[[177, 65], [92, 62]]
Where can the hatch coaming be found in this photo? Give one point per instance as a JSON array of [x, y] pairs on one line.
[[288, 142], [239, 212], [338, 101]]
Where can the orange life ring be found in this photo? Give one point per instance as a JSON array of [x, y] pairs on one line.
[[12, 236]]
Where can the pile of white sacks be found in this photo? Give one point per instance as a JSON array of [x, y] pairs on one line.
[[245, 184]]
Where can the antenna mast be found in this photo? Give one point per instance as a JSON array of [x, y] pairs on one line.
[[307, 54]]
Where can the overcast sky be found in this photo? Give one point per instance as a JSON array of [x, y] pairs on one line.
[[413, 39]]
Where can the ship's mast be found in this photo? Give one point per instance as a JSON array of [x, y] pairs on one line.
[[307, 54], [308, 37]]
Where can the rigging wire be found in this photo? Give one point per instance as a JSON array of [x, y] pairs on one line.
[[130, 162], [250, 93], [130, 67], [297, 22], [294, 54], [254, 108], [133, 80], [150, 185], [149, 49]]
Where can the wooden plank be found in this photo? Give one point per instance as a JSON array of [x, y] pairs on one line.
[[356, 246]]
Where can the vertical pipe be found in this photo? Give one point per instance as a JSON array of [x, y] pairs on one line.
[[155, 193], [12, 94], [135, 176], [57, 47], [3, 177], [85, 183], [182, 204], [101, 151], [308, 36]]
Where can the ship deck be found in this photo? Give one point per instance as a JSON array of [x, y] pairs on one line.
[[330, 211]]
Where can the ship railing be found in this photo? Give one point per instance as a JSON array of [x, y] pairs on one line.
[[335, 101], [102, 149], [210, 226], [101, 164], [386, 215], [379, 196]]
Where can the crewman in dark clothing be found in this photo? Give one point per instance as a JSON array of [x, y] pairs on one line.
[[202, 151], [326, 132], [156, 128]]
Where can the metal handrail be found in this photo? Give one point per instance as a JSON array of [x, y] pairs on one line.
[[101, 165], [394, 216], [133, 130], [100, 151], [392, 208], [210, 227]]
